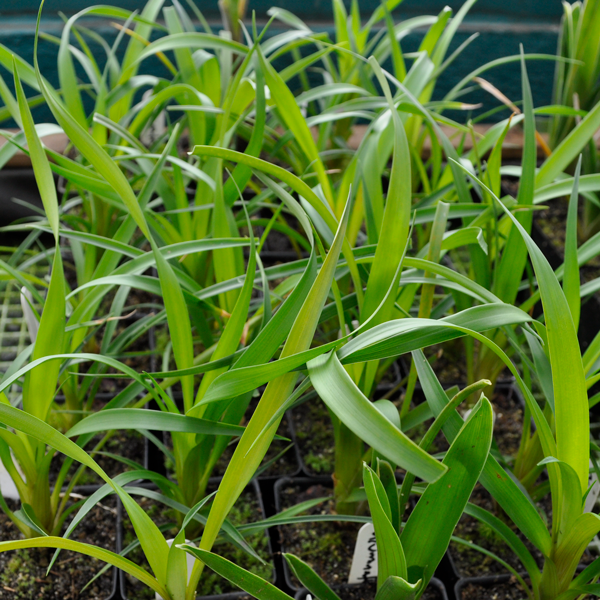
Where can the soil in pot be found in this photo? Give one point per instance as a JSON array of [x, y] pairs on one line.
[[505, 589], [327, 547], [508, 427], [467, 562], [367, 591], [126, 444], [246, 510], [470, 563], [551, 228], [23, 572], [314, 435]]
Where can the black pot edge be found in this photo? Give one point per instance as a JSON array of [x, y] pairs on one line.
[[494, 577], [122, 585], [490, 580], [301, 594]]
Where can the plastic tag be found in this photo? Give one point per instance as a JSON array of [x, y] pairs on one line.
[[592, 497], [7, 486], [364, 561]]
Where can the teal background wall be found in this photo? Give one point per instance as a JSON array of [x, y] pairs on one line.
[[502, 25], [321, 9]]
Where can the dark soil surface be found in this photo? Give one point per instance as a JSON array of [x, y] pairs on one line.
[[367, 591], [327, 547], [553, 222], [246, 510], [470, 563], [314, 436], [127, 444], [508, 590], [23, 572]]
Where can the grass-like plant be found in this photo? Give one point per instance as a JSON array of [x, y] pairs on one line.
[[53, 337], [408, 553], [576, 88]]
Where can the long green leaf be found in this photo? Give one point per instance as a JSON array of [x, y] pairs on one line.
[[342, 396], [571, 279], [40, 384], [570, 391], [427, 532], [309, 579], [134, 418], [253, 584], [391, 561]]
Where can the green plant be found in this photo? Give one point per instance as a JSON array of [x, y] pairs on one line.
[[167, 563], [576, 87], [387, 131], [50, 358], [566, 458], [407, 554]]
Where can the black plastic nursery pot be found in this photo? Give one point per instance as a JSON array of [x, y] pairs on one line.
[[327, 541], [251, 500], [435, 591], [327, 546]]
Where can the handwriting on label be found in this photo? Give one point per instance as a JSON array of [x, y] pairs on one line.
[[364, 561]]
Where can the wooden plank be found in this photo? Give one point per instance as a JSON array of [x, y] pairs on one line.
[[512, 148]]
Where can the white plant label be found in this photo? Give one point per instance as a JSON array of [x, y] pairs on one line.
[[364, 561], [592, 497], [7, 486], [155, 129]]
